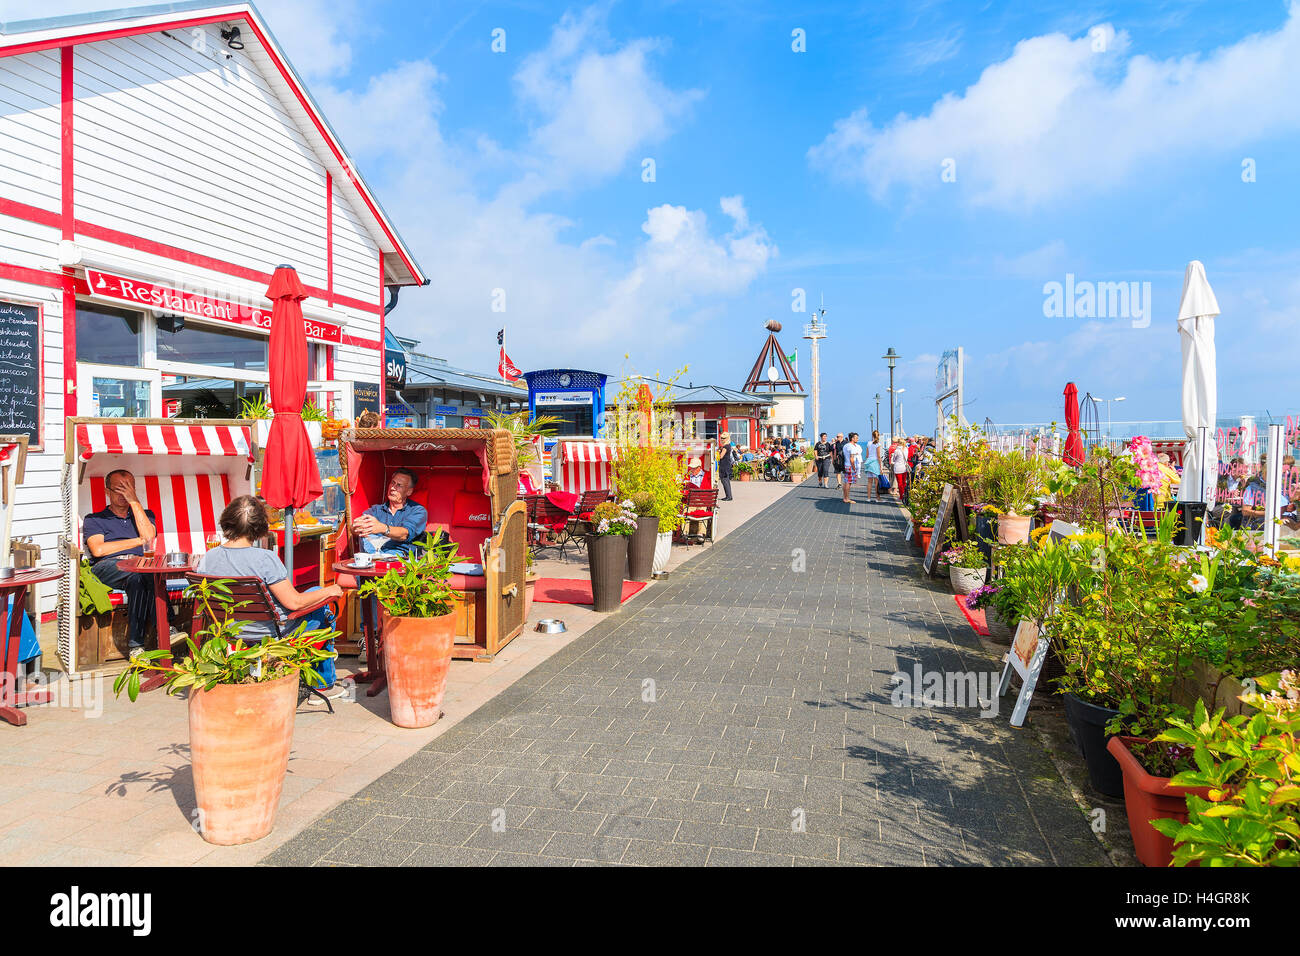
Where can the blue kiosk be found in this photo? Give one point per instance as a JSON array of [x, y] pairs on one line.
[[575, 396]]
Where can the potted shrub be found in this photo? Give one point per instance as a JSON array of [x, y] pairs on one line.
[[743, 471], [999, 621], [418, 628], [612, 525], [1148, 767], [1012, 484], [799, 468], [242, 699], [967, 569], [641, 543], [1251, 767], [657, 472], [1126, 643]]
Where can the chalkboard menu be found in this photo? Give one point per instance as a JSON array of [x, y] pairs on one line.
[[20, 371], [365, 398]]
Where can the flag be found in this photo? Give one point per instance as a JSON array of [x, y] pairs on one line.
[[794, 357], [506, 368], [501, 337]]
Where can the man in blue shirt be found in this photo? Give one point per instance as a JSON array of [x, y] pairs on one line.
[[394, 526], [122, 529]]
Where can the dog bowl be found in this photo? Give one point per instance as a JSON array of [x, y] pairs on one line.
[[177, 559], [550, 625]]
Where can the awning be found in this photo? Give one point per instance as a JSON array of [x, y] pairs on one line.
[[163, 440], [592, 451]]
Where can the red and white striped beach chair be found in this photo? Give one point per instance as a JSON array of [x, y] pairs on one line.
[[186, 472]]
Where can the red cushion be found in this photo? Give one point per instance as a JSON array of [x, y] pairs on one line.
[[471, 510], [467, 582], [586, 515], [699, 514], [116, 598], [559, 526]]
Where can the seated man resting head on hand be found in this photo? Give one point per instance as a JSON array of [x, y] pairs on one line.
[[394, 526], [123, 529]]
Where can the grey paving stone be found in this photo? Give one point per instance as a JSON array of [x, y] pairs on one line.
[[774, 695]]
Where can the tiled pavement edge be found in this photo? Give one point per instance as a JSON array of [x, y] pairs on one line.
[[699, 725]]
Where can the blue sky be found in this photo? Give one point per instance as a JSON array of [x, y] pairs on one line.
[[1104, 140]]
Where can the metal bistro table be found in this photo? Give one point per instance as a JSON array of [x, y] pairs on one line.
[[155, 564], [11, 626], [374, 672]]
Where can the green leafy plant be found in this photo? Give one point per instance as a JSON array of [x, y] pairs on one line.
[[221, 656], [964, 554], [255, 407], [1131, 636], [744, 468], [642, 503], [310, 413], [1011, 482], [1252, 767], [523, 430], [655, 471], [419, 588]]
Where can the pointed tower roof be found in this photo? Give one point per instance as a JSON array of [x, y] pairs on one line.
[[772, 357]]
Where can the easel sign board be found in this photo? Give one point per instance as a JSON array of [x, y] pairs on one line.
[[940, 526], [1026, 657], [1062, 529]]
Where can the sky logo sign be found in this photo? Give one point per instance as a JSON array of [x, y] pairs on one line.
[[75, 909], [1098, 300]]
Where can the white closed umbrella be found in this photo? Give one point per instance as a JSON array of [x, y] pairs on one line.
[[1196, 313]]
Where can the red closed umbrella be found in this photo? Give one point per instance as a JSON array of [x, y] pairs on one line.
[[1073, 441], [290, 478]]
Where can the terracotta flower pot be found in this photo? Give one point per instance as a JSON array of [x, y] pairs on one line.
[[641, 548], [607, 557], [965, 580], [923, 539], [417, 656], [1148, 798], [240, 736], [1014, 529]]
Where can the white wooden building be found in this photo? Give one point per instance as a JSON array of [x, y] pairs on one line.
[[161, 162]]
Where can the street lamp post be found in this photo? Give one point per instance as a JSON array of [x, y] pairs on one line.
[[891, 359], [877, 418], [1109, 438]]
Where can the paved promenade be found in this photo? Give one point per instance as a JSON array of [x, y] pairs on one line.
[[740, 715]]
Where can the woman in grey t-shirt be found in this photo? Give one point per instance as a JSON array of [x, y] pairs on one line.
[[244, 522]]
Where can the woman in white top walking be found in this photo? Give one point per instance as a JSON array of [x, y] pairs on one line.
[[852, 463], [871, 466]]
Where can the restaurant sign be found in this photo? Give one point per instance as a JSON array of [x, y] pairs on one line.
[[163, 298]]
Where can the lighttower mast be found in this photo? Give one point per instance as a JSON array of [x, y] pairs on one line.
[[815, 331]]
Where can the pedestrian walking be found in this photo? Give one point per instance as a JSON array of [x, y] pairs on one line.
[[823, 452], [871, 466], [852, 463], [837, 457], [724, 469], [898, 462]]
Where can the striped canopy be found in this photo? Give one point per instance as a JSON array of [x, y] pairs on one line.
[[584, 465], [126, 439]]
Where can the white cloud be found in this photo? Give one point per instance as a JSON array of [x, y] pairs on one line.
[[1056, 119], [596, 108], [565, 293]]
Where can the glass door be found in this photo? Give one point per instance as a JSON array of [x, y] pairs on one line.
[[108, 391]]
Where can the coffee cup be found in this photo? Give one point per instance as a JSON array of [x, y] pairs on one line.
[[363, 559]]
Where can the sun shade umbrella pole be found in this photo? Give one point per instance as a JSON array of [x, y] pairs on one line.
[[290, 478], [1197, 311]]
